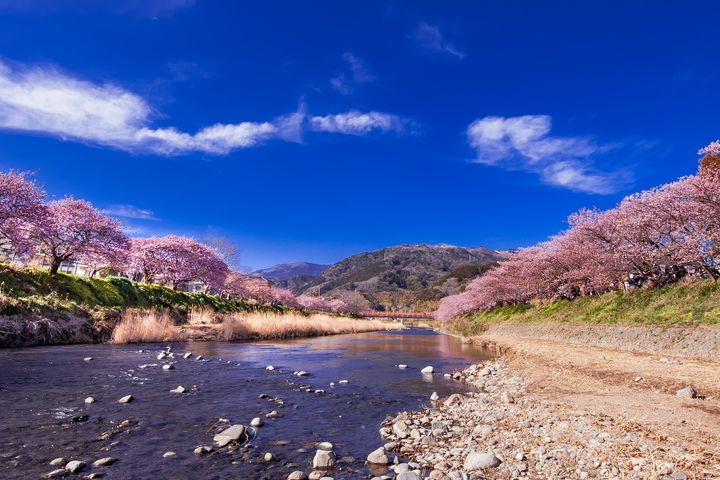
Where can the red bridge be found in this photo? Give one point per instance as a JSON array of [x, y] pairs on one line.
[[404, 315]]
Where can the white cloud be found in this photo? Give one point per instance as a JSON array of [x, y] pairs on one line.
[[429, 36], [358, 73], [525, 143], [47, 101], [129, 211], [358, 123]]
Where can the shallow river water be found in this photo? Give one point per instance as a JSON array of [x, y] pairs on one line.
[[43, 414]]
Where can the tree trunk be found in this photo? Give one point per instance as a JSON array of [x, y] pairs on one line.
[[55, 265]]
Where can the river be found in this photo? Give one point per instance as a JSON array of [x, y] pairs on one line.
[[43, 413]]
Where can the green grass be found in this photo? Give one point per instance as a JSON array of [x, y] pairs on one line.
[[35, 286], [683, 304]]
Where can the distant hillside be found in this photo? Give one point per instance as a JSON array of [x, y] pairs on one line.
[[401, 277], [283, 271]]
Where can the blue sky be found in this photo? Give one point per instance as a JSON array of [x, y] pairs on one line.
[[315, 130]]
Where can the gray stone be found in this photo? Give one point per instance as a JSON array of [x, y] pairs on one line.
[[228, 435], [408, 476], [56, 473], [202, 450], [379, 457], [324, 459], [434, 397], [402, 366], [168, 366], [104, 462], [168, 454], [297, 475], [89, 400], [179, 389], [478, 460], [74, 466], [401, 429], [58, 461], [268, 457], [126, 399], [427, 370], [687, 392], [257, 422]]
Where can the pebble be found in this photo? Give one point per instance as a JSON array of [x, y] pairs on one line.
[[56, 473], [169, 454], [402, 366], [126, 399], [89, 400], [202, 450], [687, 392], [179, 389], [270, 368], [324, 459], [343, 382], [187, 355], [297, 475], [434, 397], [268, 457], [87, 359], [168, 366], [427, 370], [257, 422], [58, 461]]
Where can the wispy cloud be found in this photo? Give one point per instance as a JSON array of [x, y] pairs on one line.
[[429, 37], [359, 123], [525, 143], [129, 211], [48, 101], [356, 73]]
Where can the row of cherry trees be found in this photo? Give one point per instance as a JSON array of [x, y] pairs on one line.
[[651, 238], [73, 230]]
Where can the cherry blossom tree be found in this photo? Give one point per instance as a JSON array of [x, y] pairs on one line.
[[21, 208], [75, 230], [175, 260]]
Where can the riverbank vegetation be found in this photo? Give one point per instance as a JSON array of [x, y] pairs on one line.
[[273, 326], [613, 265], [684, 304], [138, 326]]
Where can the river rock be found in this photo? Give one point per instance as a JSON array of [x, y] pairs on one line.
[[273, 414], [199, 357], [169, 454], [408, 476], [454, 398], [434, 397], [401, 429], [161, 355], [202, 450], [56, 473], [402, 366], [269, 368], [126, 399], [324, 459], [89, 400], [74, 466], [88, 359], [379, 457], [427, 370], [478, 460], [257, 422], [687, 392], [343, 382], [104, 462], [297, 475], [268, 457], [228, 435], [168, 366], [179, 389], [302, 373], [58, 461]]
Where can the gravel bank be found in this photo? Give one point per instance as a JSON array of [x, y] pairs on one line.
[[504, 431]]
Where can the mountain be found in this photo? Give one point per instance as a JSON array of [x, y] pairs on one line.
[[412, 277], [284, 271]]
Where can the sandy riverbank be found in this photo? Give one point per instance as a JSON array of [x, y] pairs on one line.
[[556, 409]]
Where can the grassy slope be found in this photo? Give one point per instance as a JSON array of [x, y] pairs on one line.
[[672, 305], [33, 286]]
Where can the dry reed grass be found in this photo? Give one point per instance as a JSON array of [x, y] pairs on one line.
[[270, 326], [203, 316], [145, 326]]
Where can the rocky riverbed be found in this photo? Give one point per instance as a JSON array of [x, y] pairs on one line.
[[501, 431]]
